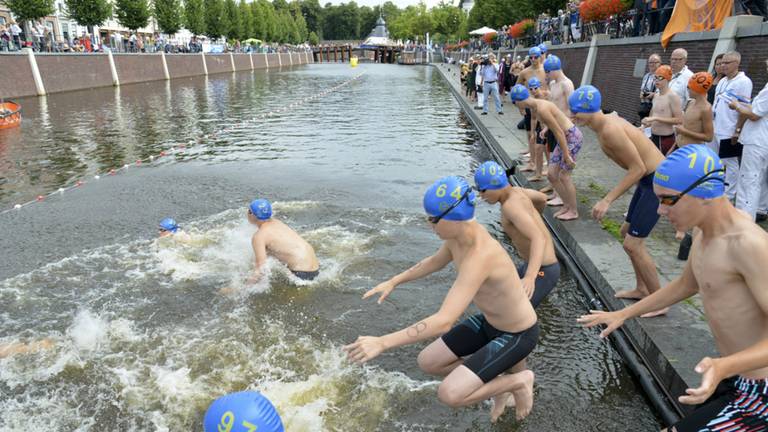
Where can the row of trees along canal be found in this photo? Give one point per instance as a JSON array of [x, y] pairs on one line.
[[295, 22]]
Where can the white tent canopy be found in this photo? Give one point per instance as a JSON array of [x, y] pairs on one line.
[[483, 30]]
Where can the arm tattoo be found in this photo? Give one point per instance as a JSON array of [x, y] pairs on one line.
[[417, 329]]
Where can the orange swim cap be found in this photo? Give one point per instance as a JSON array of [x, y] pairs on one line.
[[664, 71], [700, 82]]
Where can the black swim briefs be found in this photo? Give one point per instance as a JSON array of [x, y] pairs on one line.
[[551, 141], [545, 280], [306, 275], [738, 405], [527, 119], [492, 351], [643, 209]]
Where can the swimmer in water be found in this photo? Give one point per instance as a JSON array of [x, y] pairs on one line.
[[279, 240], [14, 348], [631, 150], [726, 267], [167, 227], [522, 222], [473, 354]]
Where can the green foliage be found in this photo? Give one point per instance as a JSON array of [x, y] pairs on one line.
[[215, 26], [498, 13], [29, 10], [132, 14], [313, 38], [368, 17], [246, 15], [612, 227], [341, 22], [234, 22], [313, 15], [168, 15], [89, 12], [194, 16]]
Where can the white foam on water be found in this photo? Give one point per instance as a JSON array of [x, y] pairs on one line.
[[89, 331]]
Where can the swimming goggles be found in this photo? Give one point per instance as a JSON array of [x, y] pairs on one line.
[[436, 219], [670, 200]]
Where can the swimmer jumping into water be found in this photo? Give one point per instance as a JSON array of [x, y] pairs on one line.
[[13, 348], [473, 354], [279, 240]]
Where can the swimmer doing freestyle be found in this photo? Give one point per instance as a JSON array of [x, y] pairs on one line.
[[473, 354], [726, 268], [279, 240]]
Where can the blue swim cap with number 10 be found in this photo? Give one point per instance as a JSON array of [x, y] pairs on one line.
[[689, 164]]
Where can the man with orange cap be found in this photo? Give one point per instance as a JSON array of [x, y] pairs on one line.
[[665, 113]]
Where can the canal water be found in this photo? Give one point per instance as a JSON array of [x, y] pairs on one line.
[[144, 340]]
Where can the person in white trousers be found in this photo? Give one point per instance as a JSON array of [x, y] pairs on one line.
[[752, 190], [728, 123]]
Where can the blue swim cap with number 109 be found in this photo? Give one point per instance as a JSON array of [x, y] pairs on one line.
[[490, 175], [446, 192]]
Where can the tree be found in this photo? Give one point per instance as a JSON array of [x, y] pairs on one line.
[[30, 10], [133, 14], [313, 39], [214, 26], [259, 25], [89, 12], [233, 20], [246, 16], [368, 17], [313, 15], [498, 13], [168, 15], [449, 20], [194, 16]]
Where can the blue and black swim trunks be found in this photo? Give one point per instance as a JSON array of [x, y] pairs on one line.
[[643, 209], [492, 351]]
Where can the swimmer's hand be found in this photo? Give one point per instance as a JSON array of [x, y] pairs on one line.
[[600, 209], [384, 288], [543, 133], [612, 321], [569, 162], [529, 285], [364, 348], [710, 378]]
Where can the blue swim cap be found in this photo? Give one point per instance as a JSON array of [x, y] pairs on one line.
[[534, 83], [261, 208], [490, 175], [586, 99], [242, 412], [543, 48], [552, 63], [446, 192], [534, 52], [518, 93], [687, 164], [169, 224]]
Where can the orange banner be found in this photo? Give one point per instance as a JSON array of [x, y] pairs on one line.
[[695, 16]]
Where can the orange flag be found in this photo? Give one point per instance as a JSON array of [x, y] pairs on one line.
[[695, 16]]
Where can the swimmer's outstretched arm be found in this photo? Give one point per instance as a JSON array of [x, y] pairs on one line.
[[676, 291], [259, 244], [459, 297], [423, 268], [538, 199]]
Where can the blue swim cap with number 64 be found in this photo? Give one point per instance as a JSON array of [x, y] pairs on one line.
[[446, 192]]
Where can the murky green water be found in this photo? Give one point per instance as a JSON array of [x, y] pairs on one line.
[[144, 341]]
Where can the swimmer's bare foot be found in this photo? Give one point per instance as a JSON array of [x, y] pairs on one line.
[[546, 189], [528, 168], [634, 294], [524, 395], [567, 215], [536, 178], [679, 235], [500, 403], [655, 313], [554, 202]]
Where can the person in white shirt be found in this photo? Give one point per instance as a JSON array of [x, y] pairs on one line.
[[16, 35], [680, 75], [753, 173], [734, 85]]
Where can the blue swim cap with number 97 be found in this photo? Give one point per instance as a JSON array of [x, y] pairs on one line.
[[689, 164], [446, 192], [586, 99], [245, 411]]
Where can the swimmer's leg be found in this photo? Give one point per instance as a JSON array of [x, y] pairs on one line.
[[640, 291], [462, 387], [644, 267], [437, 359]]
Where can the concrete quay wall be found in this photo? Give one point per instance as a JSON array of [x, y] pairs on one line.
[[619, 64], [35, 74]]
